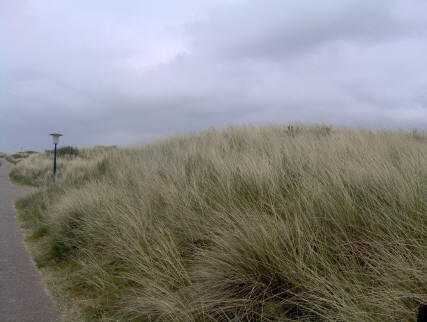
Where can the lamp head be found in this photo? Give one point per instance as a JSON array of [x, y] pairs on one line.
[[55, 137]]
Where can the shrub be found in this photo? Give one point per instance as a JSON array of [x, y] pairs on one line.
[[65, 151]]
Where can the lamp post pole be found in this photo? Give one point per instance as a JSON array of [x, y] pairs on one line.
[[54, 164], [55, 137]]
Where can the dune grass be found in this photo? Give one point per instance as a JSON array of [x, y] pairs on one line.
[[275, 223], [71, 162], [18, 156]]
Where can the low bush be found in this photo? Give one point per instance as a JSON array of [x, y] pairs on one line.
[[65, 151]]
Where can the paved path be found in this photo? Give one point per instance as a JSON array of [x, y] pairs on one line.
[[22, 295]]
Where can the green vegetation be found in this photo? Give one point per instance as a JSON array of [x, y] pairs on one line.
[[265, 224], [65, 151], [71, 165], [16, 157]]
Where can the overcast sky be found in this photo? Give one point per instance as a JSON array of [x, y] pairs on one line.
[[127, 72]]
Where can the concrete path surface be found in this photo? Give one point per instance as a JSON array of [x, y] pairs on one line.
[[22, 295]]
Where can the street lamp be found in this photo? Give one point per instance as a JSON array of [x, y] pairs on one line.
[[55, 138]]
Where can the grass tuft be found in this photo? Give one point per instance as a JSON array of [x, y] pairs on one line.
[[274, 223]]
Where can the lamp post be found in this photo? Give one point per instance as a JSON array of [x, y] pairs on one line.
[[55, 137]]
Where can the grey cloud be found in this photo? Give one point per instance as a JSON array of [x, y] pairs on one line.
[[276, 30], [103, 72]]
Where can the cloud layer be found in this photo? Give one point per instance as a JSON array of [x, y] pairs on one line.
[[107, 72]]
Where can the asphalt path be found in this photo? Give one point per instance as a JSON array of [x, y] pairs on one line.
[[22, 294]]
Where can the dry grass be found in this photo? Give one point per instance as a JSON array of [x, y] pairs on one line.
[[2, 155], [18, 156], [272, 223], [37, 170]]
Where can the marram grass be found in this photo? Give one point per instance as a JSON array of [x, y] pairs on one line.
[[275, 223]]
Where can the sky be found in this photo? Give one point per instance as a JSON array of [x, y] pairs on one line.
[[128, 72]]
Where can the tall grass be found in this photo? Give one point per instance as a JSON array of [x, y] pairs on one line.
[[18, 156], [72, 164], [271, 223]]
